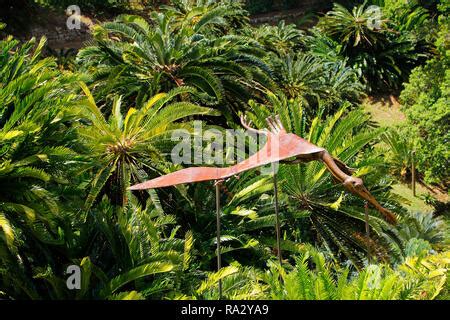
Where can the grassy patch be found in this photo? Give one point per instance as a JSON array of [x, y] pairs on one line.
[[413, 203], [384, 110]]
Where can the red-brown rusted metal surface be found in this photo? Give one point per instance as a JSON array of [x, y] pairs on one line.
[[279, 147]]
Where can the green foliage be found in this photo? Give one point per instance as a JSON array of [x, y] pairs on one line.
[[218, 14], [238, 283], [322, 84], [107, 5], [75, 136], [314, 277], [417, 247], [308, 66], [326, 281], [425, 226], [354, 28], [259, 6], [338, 222], [280, 39], [138, 58], [383, 51], [37, 142], [125, 148], [400, 153], [65, 58], [425, 101]]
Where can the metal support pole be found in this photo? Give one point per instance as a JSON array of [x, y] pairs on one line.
[[366, 213], [219, 256], [413, 172], [277, 217]]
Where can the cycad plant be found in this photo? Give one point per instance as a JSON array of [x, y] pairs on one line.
[[320, 83], [362, 27], [400, 153], [128, 147], [124, 253], [218, 15], [238, 282], [37, 157], [134, 57], [334, 218], [313, 277], [425, 226], [143, 257], [280, 39], [243, 233], [382, 55]]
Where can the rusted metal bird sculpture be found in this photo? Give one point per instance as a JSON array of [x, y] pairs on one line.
[[281, 146]]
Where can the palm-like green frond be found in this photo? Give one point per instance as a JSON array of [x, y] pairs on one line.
[[167, 53], [123, 149], [310, 187]]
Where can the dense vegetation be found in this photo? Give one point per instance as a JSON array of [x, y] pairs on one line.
[[73, 140]]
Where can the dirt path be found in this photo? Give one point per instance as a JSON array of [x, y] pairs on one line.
[[290, 16]]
